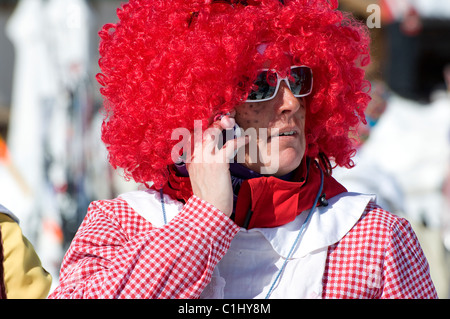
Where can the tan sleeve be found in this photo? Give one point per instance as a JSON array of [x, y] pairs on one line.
[[24, 276]]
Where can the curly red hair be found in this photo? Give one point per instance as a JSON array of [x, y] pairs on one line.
[[165, 64]]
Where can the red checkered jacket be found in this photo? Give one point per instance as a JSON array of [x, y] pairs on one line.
[[116, 253]]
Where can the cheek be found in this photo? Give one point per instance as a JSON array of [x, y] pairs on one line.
[[301, 115], [249, 115]]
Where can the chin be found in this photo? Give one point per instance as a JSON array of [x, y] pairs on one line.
[[288, 167], [288, 160]]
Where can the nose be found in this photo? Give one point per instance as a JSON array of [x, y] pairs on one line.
[[289, 104]]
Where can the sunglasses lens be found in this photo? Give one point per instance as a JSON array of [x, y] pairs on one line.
[[265, 86], [301, 80]]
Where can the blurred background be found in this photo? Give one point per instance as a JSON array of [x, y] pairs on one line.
[[53, 164]]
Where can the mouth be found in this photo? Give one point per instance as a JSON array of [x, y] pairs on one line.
[[285, 133], [289, 133]]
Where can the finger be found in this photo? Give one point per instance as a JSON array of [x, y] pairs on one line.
[[211, 134], [227, 122], [232, 146], [210, 143], [207, 143]]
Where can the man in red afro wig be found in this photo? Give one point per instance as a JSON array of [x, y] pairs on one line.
[[266, 95]]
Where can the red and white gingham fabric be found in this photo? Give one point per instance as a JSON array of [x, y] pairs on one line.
[[379, 258], [116, 253]]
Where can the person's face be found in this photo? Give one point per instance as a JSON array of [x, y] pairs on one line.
[[286, 113]]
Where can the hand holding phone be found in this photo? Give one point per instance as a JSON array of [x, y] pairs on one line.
[[229, 132], [210, 178]]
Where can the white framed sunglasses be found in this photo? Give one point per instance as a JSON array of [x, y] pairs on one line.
[[299, 81]]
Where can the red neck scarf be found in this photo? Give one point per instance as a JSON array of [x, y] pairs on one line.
[[270, 201]]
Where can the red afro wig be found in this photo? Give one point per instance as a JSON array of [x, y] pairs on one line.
[[165, 64]]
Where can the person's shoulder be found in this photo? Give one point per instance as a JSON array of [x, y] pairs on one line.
[[140, 204], [122, 202], [377, 231], [23, 274], [381, 221], [369, 220], [110, 210], [377, 214], [7, 215], [110, 206], [122, 211]]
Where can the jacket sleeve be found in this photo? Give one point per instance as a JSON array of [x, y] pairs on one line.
[[24, 277], [406, 270], [173, 261]]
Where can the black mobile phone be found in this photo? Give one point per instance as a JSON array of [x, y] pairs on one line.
[[229, 134]]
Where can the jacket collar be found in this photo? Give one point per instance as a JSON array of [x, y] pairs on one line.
[[327, 225]]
